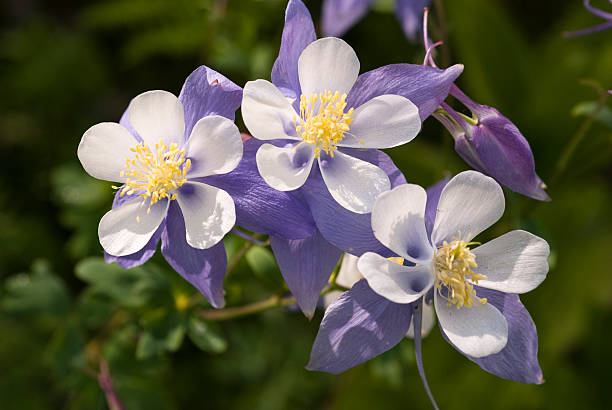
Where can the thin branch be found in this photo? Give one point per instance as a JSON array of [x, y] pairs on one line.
[[106, 384], [577, 138], [245, 310]]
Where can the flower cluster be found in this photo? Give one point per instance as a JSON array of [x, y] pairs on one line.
[[314, 180]]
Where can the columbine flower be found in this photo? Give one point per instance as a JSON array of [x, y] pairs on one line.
[[490, 143], [340, 15], [323, 124], [595, 29], [474, 288], [164, 169], [305, 114]]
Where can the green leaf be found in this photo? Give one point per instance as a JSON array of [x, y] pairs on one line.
[[262, 263], [164, 332], [206, 336], [130, 288], [38, 292]]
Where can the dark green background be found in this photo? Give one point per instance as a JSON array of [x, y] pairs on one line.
[[67, 64]]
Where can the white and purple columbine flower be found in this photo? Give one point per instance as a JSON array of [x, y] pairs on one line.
[[318, 107], [322, 124], [162, 153], [340, 15], [474, 290]]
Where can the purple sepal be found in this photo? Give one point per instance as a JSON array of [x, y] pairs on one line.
[[425, 86], [259, 207], [297, 34], [338, 16], [140, 257], [433, 196], [517, 361], [410, 15], [206, 92], [306, 265], [358, 326], [496, 147], [203, 268], [344, 229]]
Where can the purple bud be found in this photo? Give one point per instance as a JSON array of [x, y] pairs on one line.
[[490, 143]]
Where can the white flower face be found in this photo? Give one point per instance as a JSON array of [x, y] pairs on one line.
[[470, 203], [159, 169], [327, 70]]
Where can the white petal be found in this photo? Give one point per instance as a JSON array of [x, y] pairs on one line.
[[266, 112], [209, 213], [104, 149], [121, 233], [383, 122], [348, 274], [398, 222], [516, 262], [214, 147], [353, 183], [427, 322], [477, 331], [328, 64], [398, 283], [285, 169], [469, 204], [158, 115]]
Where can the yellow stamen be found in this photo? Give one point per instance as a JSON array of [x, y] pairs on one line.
[[323, 122], [156, 173], [453, 263]]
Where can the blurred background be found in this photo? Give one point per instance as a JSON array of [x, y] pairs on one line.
[[67, 64]]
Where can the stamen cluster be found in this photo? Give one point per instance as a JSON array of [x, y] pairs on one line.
[[453, 263], [155, 174], [323, 121]]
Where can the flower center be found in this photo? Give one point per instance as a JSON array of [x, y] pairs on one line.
[[323, 121], [453, 263], [155, 173]]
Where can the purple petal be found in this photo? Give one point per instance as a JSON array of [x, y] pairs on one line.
[[358, 326], [410, 15], [297, 34], [259, 207], [306, 265], [140, 257], [425, 86], [433, 196], [203, 268], [206, 92], [517, 361], [339, 16], [344, 229]]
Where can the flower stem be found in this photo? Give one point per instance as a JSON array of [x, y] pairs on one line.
[[240, 311], [106, 383], [417, 317], [577, 138], [274, 301]]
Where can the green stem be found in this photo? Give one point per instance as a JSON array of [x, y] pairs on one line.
[[577, 138], [240, 311], [274, 301]]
